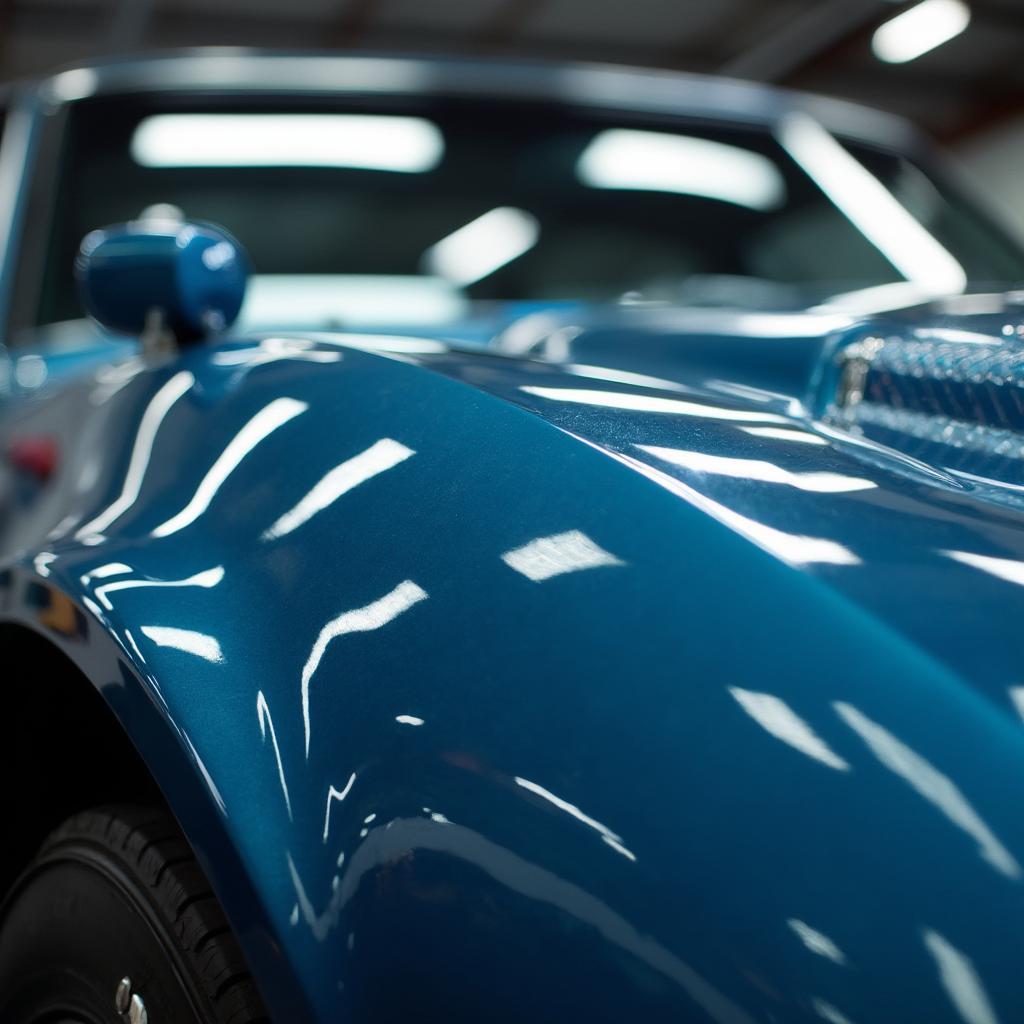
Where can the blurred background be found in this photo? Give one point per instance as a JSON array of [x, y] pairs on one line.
[[966, 88]]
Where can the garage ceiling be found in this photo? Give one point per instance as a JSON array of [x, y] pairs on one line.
[[961, 88]]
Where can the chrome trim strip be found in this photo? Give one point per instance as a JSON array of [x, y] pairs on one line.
[[16, 149]]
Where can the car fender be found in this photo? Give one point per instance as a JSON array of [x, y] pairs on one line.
[[466, 716]]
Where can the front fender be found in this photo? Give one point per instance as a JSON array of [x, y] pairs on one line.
[[487, 725]]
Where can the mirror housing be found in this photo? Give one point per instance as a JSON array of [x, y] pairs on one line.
[[154, 276]]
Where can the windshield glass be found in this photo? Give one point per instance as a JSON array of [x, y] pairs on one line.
[[420, 211]]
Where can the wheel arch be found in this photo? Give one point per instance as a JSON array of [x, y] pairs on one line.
[[80, 729], [61, 747]]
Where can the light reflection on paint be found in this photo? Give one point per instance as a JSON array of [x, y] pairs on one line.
[[132, 643], [261, 426], [778, 719], [395, 343], [560, 553], [816, 941], [610, 837], [1017, 696], [1009, 569], [206, 579], [758, 469], [207, 777], [62, 528], [405, 836], [272, 350], [42, 562], [782, 434], [408, 720], [267, 723], [931, 784], [332, 796], [960, 980], [358, 620], [156, 412], [112, 379], [188, 640], [378, 458], [793, 548], [826, 1011], [650, 403], [89, 475], [637, 380], [105, 571]]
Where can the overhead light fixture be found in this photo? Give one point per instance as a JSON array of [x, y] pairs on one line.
[[479, 248], [361, 141], [919, 29], [622, 158]]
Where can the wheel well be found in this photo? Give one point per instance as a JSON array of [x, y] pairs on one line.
[[61, 748]]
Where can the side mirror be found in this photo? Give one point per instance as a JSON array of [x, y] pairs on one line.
[[151, 277]]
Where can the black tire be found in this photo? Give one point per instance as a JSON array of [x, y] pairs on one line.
[[116, 892]]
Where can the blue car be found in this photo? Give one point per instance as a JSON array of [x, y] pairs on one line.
[[508, 542]]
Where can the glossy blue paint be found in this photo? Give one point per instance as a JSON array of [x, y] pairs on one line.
[[193, 275], [617, 682], [611, 781]]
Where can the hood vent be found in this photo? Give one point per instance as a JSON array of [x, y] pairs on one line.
[[954, 399]]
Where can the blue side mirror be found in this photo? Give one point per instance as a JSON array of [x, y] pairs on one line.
[[162, 275]]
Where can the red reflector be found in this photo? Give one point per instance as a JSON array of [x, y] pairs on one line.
[[35, 455]]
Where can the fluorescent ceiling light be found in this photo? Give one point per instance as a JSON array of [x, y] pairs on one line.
[[371, 142], [871, 207], [480, 247], [920, 29], [660, 162]]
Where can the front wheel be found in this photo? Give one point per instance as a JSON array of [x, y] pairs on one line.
[[115, 923]]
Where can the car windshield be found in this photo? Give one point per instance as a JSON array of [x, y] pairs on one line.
[[423, 211]]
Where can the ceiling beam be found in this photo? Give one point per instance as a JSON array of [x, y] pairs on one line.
[[802, 40], [499, 29]]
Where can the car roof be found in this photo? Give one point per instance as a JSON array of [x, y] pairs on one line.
[[242, 71]]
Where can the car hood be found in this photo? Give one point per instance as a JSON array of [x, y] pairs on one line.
[[914, 512], [906, 497], [785, 680]]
